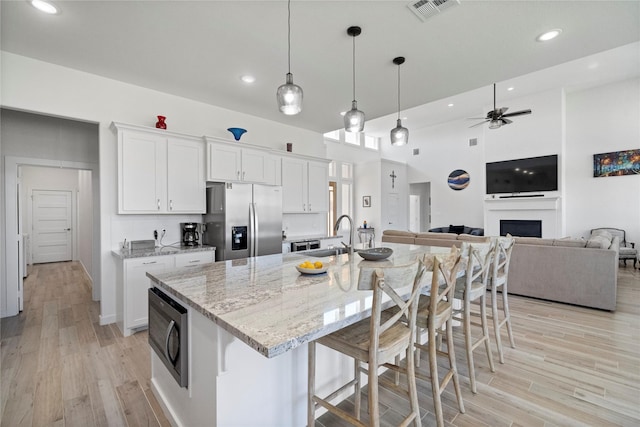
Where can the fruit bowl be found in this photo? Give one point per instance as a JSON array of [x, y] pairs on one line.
[[312, 270], [375, 254]]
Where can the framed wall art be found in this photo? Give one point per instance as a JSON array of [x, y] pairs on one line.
[[366, 201], [616, 163]]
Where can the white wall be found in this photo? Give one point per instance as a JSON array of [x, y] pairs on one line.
[[85, 220], [74, 94], [602, 120], [575, 126]]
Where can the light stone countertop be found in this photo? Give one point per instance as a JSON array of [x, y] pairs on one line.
[[266, 303], [165, 250], [291, 239]]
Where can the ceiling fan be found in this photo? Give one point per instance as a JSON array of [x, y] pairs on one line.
[[497, 116]]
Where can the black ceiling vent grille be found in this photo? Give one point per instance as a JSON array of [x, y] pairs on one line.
[[425, 9]]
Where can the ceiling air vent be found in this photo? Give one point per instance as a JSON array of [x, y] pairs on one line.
[[425, 9]]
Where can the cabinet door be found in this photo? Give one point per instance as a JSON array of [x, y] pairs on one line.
[[273, 167], [253, 166], [224, 162], [185, 177], [318, 187], [140, 184], [193, 259], [136, 283], [294, 185]]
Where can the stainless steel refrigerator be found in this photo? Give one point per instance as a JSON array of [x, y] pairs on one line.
[[243, 220]]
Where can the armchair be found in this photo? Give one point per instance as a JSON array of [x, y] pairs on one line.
[[627, 249]]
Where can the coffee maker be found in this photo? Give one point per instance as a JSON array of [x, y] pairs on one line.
[[190, 233]]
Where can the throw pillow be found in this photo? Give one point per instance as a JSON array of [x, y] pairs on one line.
[[599, 242], [458, 229], [603, 233]]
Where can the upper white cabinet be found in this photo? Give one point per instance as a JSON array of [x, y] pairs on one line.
[[159, 172], [304, 185], [228, 162]]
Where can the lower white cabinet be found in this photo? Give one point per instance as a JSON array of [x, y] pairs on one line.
[[193, 259], [132, 306]]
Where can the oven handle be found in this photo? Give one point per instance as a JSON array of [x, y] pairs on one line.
[[173, 361]]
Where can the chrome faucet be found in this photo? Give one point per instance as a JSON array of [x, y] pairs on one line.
[[337, 226]]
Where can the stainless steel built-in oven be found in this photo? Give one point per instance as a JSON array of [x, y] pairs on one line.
[[305, 245], [168, 334]]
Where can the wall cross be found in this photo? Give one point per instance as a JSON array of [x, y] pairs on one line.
[[393, 179]]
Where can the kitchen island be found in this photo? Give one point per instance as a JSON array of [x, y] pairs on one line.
[[249, 322]]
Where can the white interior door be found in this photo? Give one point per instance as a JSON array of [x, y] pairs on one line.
[[52, 218], [414, 213]]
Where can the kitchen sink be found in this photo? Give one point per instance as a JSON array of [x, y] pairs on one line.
[[326, 252]]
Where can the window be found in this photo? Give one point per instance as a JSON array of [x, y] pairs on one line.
[[332, 169], [347, 171], [352, 138], [335, 135], [371, 142]]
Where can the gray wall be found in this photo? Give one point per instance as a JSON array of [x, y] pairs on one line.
[[52, 139]]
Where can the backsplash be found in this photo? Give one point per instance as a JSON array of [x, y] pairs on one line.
[[301, 225], [140, 227]]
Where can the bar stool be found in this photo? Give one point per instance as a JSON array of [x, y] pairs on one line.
[[376, 341], [499, 276], [434, 312], [473, 288]]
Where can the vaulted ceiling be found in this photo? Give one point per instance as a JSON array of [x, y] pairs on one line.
[[199, 49]]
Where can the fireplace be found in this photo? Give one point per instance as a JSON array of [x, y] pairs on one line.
[[521, 228]]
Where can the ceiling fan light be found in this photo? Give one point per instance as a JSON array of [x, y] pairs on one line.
[[289, 97], [354, 119], [549, 35], [495, 124], [45, 6], [399, 135]]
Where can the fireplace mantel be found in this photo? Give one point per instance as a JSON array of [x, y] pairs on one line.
[[545, 209]]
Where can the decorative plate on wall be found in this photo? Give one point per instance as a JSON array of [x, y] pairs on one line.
[[458, 179]]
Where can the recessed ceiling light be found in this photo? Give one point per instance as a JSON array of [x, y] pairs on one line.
[[44, 6], [247, 78], [405, 118], [449, 105], [510, 88], [549, 35], [342, 113]]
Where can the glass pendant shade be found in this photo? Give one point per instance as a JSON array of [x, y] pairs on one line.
[[399, 135], [495, 124], [289, 97], [354, 119]]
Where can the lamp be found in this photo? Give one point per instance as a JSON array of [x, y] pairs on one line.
[[399, 134], [354, 118], [289, 95]]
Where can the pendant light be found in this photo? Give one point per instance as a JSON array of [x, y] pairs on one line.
[[399, 134], [354, 118], [289, 95]]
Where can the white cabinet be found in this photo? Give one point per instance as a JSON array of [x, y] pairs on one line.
[[132, 311], [194, 259], [132, 283], [304, 186], [227, 162], [159, 172]]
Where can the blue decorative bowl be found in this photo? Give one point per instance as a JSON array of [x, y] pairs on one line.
[[237, 132]]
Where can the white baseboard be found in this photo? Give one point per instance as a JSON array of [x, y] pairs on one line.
[[105, 320]]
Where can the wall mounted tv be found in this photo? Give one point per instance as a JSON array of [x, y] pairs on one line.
[[523, 175]]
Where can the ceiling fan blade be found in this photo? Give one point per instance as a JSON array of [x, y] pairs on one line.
[[476, 118], [478, 124], [502, 110], [517, 113], [506, 121]]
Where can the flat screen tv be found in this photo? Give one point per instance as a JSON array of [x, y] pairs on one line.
[[523, 175]]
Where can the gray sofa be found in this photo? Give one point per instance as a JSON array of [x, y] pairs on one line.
[[572, 271]]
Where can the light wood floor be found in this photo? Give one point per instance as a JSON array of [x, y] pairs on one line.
[[572, 366]]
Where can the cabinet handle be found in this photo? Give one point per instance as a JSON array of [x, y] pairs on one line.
[[158, 204], [238, 175], [170, 205], [243, 174], [194, 260], [309, 207], [150, 262], [304, 207]]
